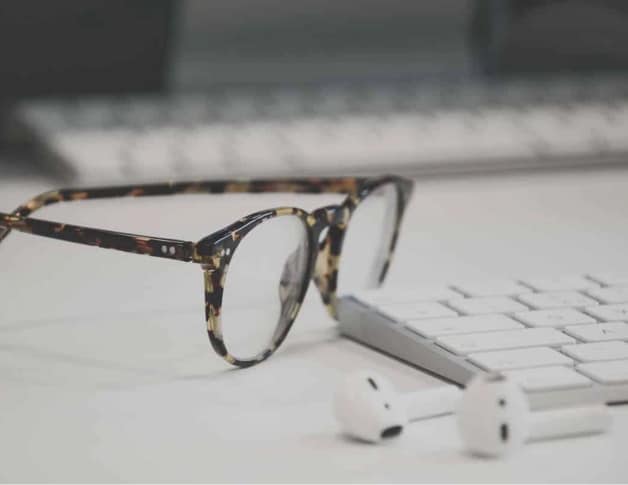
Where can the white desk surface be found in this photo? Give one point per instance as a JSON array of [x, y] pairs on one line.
[[106, 373]]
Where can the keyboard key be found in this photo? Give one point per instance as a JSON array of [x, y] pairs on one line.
[[548, 378], [611, 278], [509, 339], [406, 295], [103, 149], [491, 304], [413, 311], [447, 326], [556, 299], [612, 372], [617, 294], [609, 313], [597, 351], [519, 358], [599, 331], [561, 283], [554, 318], [492, 288], [153, 150]]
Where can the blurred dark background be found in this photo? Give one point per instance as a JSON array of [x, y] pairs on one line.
[[96, 46], [76, 46], [378, 54]]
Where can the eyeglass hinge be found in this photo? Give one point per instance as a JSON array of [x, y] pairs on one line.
[[208, 263]]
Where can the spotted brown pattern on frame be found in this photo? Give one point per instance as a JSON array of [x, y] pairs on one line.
[[215, 251]]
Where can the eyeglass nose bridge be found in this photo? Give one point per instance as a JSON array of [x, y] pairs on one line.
[[325, 274]]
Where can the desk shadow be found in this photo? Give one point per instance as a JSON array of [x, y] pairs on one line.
[[286, 352], [451, 455], [22, 325], [116, 376], [109, 374]]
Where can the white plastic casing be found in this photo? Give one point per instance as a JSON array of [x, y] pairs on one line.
[[368, 408], [565, 422], [493, 416], [428, 403]]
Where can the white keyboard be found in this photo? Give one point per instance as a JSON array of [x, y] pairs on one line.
[[404, 128], [565, 339]]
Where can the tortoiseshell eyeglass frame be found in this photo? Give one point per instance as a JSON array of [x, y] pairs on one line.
[[215, 251]]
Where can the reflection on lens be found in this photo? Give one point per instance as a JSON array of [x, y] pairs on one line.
[[263, 282], [367, 241]]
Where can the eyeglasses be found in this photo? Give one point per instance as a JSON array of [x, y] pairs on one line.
[[257, 270]]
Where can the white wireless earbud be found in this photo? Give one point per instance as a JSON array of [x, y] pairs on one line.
[[368, 407], [494, 418]]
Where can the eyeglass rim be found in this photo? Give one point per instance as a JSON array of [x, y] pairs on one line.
[[203, 252], [224, 244]]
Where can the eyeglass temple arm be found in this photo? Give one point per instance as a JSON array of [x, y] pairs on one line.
[[342, 185], [303, 185], [130, 243]]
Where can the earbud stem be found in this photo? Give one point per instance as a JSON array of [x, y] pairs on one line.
[[428, 403], [559, 423]]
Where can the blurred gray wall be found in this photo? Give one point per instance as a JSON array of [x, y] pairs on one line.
[[241, 41]]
